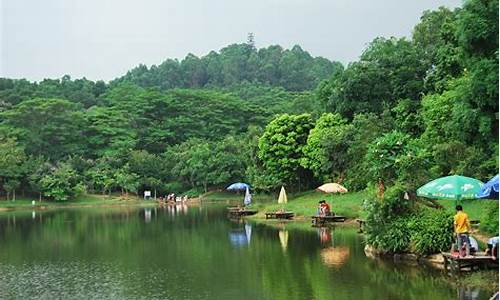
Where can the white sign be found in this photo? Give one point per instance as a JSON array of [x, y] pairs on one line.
[[147, 193]]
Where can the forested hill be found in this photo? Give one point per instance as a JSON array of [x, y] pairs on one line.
[[293, 69], [409, 110]]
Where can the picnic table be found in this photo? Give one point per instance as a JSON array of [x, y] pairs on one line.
[[321, 220], [280, 215]]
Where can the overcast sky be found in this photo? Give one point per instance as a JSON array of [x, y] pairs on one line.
[[102, 39]]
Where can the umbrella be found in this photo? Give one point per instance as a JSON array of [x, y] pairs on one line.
[[451, 187], [282, 197], [238, 186], [331, 188], [248, 197], [489, 189]]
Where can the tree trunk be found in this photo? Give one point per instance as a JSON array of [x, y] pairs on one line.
[[39, 196], [155, 194], [14, 195]]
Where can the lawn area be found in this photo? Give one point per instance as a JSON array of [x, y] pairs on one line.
[[83, 200], [476, 209], [305, 204]]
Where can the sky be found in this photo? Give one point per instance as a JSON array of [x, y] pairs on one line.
[[102, 39]]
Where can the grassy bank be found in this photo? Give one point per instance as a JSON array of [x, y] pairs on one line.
[[305, 204], [477, 209], [81, 201], [349, 204]]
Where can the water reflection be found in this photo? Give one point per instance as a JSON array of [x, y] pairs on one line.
[[147, 215], [335, 256], [467, 293], [283, 235], [331, 255], [325, 235], [241, 236], [185, 254]]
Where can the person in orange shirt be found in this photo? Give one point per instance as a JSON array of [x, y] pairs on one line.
[[462, 227]]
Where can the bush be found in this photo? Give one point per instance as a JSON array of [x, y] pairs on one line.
[[386, 220], [431, 231], [393, 237], [392, 226]]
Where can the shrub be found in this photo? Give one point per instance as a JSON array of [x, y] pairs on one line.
[[393, 237], [431, 231], [386, 226], [392, 226]]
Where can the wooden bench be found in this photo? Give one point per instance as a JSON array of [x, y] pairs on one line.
[[456, 264], [279, 215], [320, 220]]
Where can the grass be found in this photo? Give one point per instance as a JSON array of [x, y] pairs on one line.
[[476, 209], [83, 200], [305, 204]]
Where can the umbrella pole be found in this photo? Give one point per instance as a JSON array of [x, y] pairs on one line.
[[331, 205]]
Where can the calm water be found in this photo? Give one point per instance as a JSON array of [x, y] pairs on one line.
[[195, 253]]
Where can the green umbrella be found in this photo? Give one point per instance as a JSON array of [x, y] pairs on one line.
[[451, 187]]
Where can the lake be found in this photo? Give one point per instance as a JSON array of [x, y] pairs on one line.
[[182, 252]]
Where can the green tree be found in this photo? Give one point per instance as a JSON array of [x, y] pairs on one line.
[[62, 183], [280, 148], [12, 159], [49, 127], [326, 150]]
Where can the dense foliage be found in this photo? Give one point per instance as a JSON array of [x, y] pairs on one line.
[[293, 69], [407, 111], [396, 225]]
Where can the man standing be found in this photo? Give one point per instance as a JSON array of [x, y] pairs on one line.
[[462, 226]]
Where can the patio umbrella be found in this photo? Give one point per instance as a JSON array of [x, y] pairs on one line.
[[238, 186], [282, 197], [451, 187], [490, 189], [248, 197], [332, 188]]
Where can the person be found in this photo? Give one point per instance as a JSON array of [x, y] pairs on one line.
[[474, 246], [492, 247], [324, 208], [462, 227], [320, 208]]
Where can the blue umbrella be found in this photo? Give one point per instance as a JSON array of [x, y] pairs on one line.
[[238, 186], [490, 189]]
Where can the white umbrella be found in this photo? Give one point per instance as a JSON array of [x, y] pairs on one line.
[[282, 197], [248, 197], [331, 188]]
